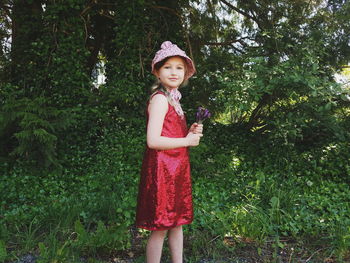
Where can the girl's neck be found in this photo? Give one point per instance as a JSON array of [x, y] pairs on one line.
[[168, 89]]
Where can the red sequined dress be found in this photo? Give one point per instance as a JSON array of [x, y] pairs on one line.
[[165, 191]]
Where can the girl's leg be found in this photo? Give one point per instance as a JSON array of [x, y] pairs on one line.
[[155, 246], [175, 238]]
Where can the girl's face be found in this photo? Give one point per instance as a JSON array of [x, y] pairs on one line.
[[172, 73]]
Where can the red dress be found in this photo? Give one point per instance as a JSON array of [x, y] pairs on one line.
[[165, 191]]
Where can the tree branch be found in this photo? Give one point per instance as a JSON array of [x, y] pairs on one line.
[[242, 12], [6, 9], [253, 120], [166, 8], [240, 40]]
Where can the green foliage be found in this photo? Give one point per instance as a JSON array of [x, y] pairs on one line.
[[104, 238], [259, 195], [237, 194], [3, 252], [273, 162], [34, 125], [100, 191]]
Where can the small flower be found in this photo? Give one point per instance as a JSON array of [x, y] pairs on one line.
[[202, 114]]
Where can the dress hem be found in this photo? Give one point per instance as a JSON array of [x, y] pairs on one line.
[[162, 228]]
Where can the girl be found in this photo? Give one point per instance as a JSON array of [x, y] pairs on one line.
[[165, 193]]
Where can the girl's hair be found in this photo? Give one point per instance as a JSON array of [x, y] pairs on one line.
[[157, 86]]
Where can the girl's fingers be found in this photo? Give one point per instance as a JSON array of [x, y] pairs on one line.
[[196, 128], [199, 129]]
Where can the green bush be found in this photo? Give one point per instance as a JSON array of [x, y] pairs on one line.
[[95, 187], [240, 191]]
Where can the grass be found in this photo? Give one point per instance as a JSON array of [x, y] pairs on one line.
[[268, 224], [198, 245], [246, 210]]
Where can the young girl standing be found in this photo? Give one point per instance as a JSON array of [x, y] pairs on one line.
[[165, 192]]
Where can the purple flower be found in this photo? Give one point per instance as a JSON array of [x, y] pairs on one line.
[[202, 114]]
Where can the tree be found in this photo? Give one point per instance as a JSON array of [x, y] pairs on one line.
[[265, 65], [271, 64], [47, 89]]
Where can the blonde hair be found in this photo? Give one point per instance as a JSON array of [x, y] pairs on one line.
[[157, 86]]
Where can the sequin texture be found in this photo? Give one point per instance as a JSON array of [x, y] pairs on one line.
[[165, 191]]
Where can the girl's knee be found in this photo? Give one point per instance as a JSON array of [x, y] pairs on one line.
[[160, 234], [176, 229]]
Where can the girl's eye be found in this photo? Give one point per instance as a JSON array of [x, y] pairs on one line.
[[180, 68]]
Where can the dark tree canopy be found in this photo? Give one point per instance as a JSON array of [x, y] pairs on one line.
[[266, 66]]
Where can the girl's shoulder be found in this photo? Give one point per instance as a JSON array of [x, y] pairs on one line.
[[158, 101], [158, 97], [156, 93]]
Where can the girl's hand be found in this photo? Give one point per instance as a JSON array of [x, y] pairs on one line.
[[196, 128], [193, 138]]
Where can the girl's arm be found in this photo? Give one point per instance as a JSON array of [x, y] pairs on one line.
[[157, 110]]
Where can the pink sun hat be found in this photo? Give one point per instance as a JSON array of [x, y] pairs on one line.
[[169, 49]]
